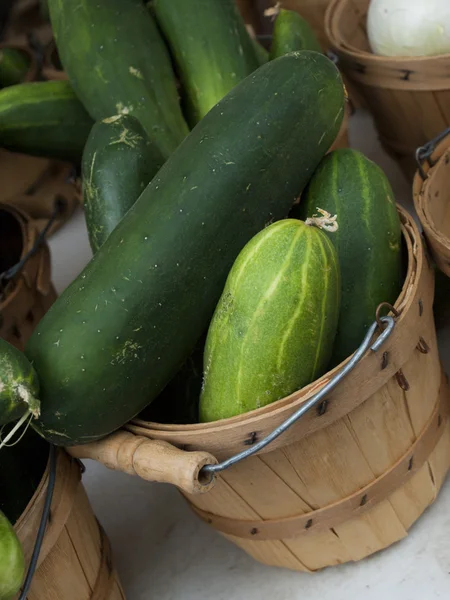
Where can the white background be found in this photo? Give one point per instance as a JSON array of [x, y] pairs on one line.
[[163, 551]]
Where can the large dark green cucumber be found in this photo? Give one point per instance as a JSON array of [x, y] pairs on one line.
[[118, 334], [117, 62], [211, 46], [21, 469], [368, 241], [292, 32], [43, 119], [14, 65], [19, 385], [118, 163], [274, 326], [12, 560]]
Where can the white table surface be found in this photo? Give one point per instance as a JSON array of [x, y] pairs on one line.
[[163, 551]]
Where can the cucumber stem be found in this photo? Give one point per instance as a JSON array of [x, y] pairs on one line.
[[17, 426], [326, 221], [273, 11]]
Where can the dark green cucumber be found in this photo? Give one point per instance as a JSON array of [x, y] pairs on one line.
[[43, 119], [118, 163], [117, 335], [211, 46], [12, 560], [368, 241], [292, 32], [274, 326], [22, 467], [117, 63], [261, 53], [14, 65], [19, 385]]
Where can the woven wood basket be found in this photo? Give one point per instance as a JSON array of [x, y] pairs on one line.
[[408, 97], [75, 560], [27, 296], [347, 479], [431, 191]]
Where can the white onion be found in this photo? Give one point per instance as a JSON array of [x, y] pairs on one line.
[[409, 27]]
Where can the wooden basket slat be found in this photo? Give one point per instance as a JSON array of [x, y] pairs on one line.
[[406, 95]]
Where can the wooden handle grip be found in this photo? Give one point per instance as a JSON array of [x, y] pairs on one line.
[[152, 460]]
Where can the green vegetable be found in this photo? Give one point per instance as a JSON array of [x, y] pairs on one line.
[[14, 65], [22, 467], [368, 241], [43, 119], [12, 561], [273, 329], [19, 385], [211, 46], [117, 62], [118, 334], [261, 53], [292, 32], [118, 162]]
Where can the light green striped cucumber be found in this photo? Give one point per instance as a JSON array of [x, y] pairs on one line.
[[368, 241], [14, 65], [211, 46], [19, 384], [292, 33], [119, 161], [12, 561], [274, 326]]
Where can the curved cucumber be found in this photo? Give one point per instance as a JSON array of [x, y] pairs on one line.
[[292, 32], [118, 162], [43, 119], [12, 561], [117, 62], [119, 333], [368, 241], [14, 65], [212, 48], [19, 385], [274, 326]]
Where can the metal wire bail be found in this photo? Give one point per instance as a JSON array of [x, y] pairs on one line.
[[423, 153], [368, 343]]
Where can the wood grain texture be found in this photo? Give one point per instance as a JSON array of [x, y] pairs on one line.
[[408, 96], [75, 561]]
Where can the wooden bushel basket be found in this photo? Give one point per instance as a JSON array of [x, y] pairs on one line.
[[25, 297], [347, 479], [75, 558], [431, 191], [408, 97]]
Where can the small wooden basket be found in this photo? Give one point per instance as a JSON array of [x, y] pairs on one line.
[[75, 558], [347, 479], [408, 97], [431, 192], [27, 295]]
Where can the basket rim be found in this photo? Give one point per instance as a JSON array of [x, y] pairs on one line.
[[369, 57], [240, 427]]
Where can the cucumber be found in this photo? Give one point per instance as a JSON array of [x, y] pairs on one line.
[[22, 467], [117, 62], [274, 326], [368, 241], [117, 335], [261, 53], [19, 385], [292, 32], [211, 46], [118, 162], [43, 119], [12, 560], [14, 65]]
